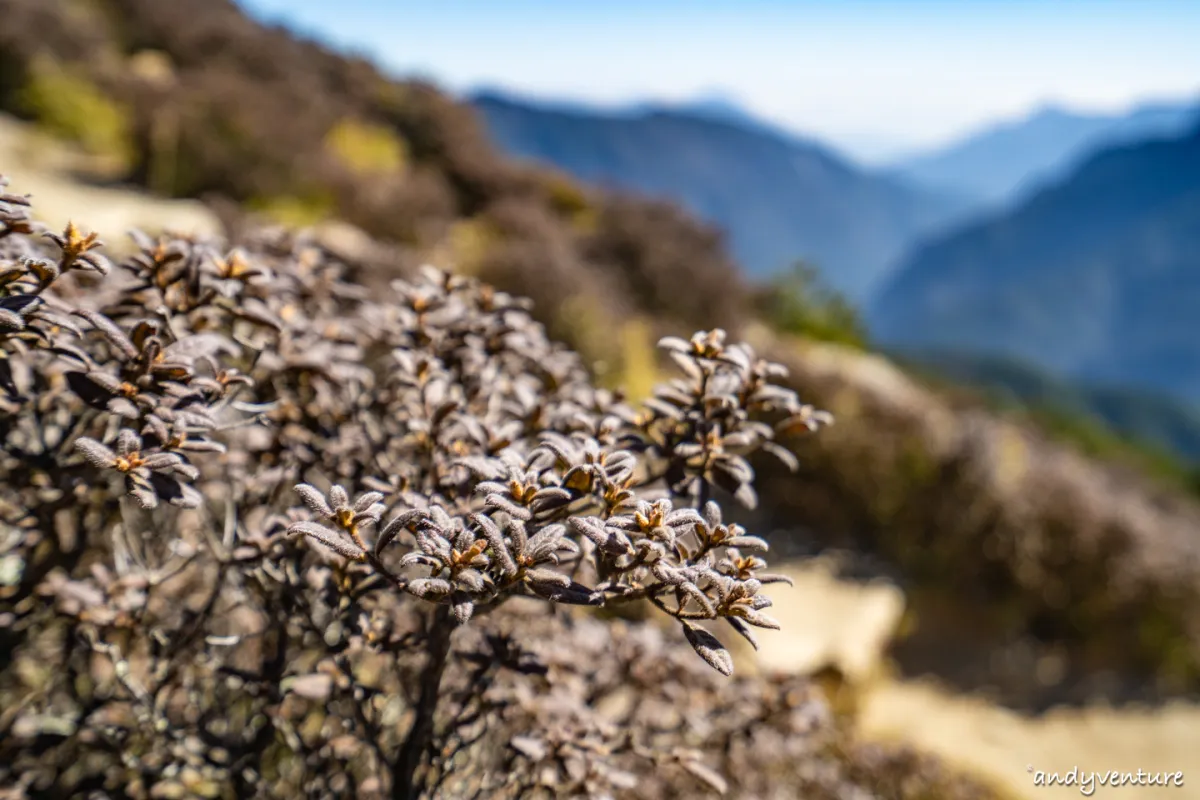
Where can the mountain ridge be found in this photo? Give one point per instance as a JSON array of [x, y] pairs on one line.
[[1004, 161], [778, 197], [1095, 277]]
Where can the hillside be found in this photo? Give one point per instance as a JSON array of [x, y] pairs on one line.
[[1096, 278], [1002, 163], [194, 99], [1162, 427], [1012, 545], [778, 198]]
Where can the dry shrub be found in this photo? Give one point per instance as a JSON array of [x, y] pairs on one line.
[[185, 613]]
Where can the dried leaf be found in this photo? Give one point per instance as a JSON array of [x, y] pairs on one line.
[[331, 539], [94, 452], [709, 648], [744, 630], [314, 499], [708, 775], [574, 594], [531, 748], [315, 686]]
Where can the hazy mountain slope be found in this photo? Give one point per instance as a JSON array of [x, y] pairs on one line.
[[1002, 162], [1145, 418], [1097, 277], [778, 199], [716, 106]]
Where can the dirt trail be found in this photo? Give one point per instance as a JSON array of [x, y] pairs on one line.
[[998, 744], [37, 166]]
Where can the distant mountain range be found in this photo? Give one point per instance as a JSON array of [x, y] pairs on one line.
[[778, 197], [1095, 278], [1004, 162], [716, 106]]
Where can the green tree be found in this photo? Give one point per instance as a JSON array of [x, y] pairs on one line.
[[801, 303]]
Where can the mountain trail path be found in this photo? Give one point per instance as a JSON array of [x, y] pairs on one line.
[[48, 171], [830, 622]]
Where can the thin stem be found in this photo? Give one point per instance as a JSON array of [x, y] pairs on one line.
[[420, 735], [703, 493]]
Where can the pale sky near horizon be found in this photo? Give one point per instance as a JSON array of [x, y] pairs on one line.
[[868, 75]]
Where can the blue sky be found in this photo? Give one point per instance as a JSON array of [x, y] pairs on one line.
[[870, 75]]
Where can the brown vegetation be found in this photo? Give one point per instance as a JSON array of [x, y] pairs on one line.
[[176, 623], [1097, 569], [1057, 577]]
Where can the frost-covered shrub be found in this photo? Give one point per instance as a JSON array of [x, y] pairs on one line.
[[247, 505]]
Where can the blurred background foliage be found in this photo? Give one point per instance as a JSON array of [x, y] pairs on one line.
[[69, 106], [799, 303]]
